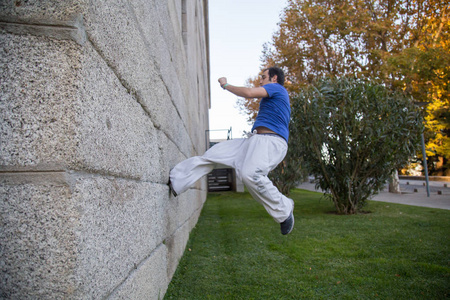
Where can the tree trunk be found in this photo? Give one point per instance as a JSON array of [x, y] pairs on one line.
[[394, 183]]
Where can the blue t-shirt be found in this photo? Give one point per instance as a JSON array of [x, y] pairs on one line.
[[275, 111]]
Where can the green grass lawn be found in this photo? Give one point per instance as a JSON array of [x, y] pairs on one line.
[[236, 251]]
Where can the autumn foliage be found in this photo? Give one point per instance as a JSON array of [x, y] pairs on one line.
[[402, 44]]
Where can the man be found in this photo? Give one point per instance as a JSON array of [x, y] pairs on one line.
[[254, 157]]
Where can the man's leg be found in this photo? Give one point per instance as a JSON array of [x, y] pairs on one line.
[[187, 172], [263, 155]]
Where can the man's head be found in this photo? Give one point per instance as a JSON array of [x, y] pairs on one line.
[[272, 75]]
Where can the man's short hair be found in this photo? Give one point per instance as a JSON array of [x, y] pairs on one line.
[[276, 71]]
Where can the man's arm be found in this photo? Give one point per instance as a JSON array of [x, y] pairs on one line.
[[257, 92]]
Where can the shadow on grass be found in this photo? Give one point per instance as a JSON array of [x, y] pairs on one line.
[[237, 252]]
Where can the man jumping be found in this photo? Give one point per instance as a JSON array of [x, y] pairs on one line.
[[254, 157]]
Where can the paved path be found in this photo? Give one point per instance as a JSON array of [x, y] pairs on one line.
[[408, 195]]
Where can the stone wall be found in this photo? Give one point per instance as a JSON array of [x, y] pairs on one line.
[[99, 100]]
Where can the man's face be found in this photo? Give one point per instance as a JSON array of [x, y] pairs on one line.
[[265, 78]]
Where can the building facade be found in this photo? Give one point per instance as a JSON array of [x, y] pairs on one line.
[[99, 100]]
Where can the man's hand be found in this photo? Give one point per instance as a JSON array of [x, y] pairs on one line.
[[222, 81]]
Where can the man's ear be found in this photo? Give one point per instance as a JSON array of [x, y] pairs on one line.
[[274, 79]]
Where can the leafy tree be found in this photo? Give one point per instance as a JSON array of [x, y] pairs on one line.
[[403, 44], [290, 172], [319, 38], [352, 135], [423, 71]]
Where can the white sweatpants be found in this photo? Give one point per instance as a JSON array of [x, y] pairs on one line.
[[252, 158]]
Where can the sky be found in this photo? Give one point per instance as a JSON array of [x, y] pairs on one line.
[[237, 31]]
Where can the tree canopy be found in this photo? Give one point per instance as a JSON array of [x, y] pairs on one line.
[[402, 44], [356, 37]]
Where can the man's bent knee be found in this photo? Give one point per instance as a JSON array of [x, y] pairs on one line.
[[254, 180]]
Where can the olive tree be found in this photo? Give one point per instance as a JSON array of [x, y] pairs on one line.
[[352, 135]]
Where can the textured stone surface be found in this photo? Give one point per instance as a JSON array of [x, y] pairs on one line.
[[100, 232], [99, 127], [176, 243], [121, 222], [38, 250], [149, 280], [98, 102], [40, 82], [115, 135], [129, 51], [44, 12]]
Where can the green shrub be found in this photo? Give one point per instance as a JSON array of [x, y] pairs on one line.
[[289, 173], [352, 135]]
